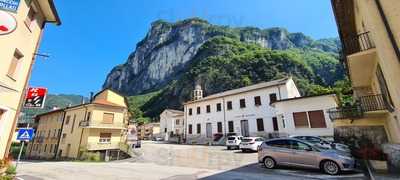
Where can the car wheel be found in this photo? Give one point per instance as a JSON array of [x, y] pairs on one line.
[[229, 148], [330, 167], [269, 163], [244, 150]]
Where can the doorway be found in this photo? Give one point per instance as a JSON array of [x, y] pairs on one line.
[[244, 125], [208, 130]]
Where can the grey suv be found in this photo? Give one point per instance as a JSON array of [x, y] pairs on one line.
[[294, 152]]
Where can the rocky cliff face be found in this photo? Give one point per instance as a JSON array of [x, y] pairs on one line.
[[169, 48]]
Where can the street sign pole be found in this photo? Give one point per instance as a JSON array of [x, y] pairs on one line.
[[20, 150]]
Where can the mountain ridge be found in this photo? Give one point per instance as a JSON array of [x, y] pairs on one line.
[[169, 48]]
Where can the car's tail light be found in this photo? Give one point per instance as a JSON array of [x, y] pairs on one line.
[[252, 142]]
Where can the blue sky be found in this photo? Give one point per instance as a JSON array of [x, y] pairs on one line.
[[96, 35]]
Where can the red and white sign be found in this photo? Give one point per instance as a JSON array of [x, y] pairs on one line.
[[7, 23], [35, 97]]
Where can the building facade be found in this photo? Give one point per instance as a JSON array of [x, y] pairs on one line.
[[245, 111], [148, 131], [98, 126], [370, 35], [48, 131], [171, 124], [22, 27], [306, 115]]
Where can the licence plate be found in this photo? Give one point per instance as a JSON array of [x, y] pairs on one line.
[[245, 144], [230, 141]]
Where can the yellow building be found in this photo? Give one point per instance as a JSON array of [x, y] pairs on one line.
[[370, 35], [48, 131], [98, 126], [20, 32]]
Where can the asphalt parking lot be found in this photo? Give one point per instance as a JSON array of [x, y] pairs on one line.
[[173, 162]]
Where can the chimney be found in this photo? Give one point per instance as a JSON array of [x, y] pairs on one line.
[[91, 97]]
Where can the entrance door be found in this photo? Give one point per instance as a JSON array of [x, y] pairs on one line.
[[275, 124], [244, 125], [209, 130]]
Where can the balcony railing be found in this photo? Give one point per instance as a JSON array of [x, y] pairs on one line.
[[354, 112], [373, 103], [361, 42], [363, 104], [102, 146], [99, 124]]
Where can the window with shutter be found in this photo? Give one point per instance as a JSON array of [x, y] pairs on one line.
[[300, 120], [198, 110], [190, 129], [105, 138], [219, 127], [260, 124], [218, 107], [317, 119], [198, 128], [190, 111], [242, 103], [108, 118], [257, 101], [230, 126], [229, 105], [13, 68], [208, 108], [272, 98]]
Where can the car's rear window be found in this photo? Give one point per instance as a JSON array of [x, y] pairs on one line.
[[231, 138], [247, 139]]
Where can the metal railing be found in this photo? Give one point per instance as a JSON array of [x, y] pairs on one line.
[[354, 112], [363, 104], [100, 124], [359, 43], [102, 146], [373, 103]]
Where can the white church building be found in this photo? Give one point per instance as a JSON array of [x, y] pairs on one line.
[[258, 110]]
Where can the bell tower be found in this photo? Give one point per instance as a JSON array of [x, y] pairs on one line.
[[198, 92]]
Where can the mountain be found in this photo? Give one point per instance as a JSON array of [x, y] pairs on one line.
[[168, 48], [52, 101], [173, 56]]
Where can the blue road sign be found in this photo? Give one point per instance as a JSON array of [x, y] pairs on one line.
[[25, 134], [9, 5]]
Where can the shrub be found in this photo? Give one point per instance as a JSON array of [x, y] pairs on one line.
[[11, 170]]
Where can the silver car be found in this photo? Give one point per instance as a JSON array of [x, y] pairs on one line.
[[294, 152], [323, 142]]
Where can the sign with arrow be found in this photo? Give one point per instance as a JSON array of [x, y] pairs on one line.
[[25, 134]]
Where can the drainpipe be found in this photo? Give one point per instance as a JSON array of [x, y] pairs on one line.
[[223, 109], [388, 29], [80, 140], [59, 135]]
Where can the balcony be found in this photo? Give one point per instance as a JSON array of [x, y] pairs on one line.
[[359, 43], [361, 59], [364, 106], [100, 124], [102, 146]]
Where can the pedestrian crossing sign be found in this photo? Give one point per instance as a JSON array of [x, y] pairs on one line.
[[25, 134]]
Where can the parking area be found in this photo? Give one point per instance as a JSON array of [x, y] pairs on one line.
[[173, 162]]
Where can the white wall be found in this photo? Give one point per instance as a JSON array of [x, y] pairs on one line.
[[285, 110], [251, 112], [168, 121]]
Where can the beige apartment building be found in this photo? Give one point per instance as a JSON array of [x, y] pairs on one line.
[[98, 126], [20, 35], [370, 35], [48, 130], [148, 131]]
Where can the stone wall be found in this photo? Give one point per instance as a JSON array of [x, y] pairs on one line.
[[364, 141]]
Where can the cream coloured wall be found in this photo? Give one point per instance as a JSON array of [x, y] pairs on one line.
[[369, 19], [51, 122], [25, 40]]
